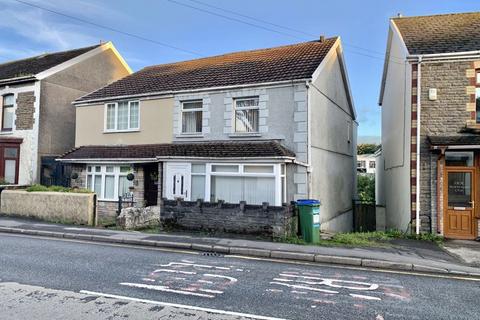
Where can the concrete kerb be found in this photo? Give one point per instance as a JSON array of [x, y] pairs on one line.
[[262, 253]]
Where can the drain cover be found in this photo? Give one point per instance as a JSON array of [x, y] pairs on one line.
[[211, 254]]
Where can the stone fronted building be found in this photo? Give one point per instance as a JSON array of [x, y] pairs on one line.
[[430, 100], [36, 111]]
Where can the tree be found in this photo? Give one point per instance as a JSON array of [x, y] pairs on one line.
[[367, 148], [366, 188]]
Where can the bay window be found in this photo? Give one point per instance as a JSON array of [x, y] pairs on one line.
[[122, 116], [246, 115], [192, 112], [108, 181], [255, 183]]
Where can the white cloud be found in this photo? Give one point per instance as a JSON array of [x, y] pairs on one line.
[[42, 31]]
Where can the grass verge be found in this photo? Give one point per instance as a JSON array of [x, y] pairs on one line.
[[366, 239]]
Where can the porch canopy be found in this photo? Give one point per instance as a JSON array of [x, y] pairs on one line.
[[464, 141], [198, 150]]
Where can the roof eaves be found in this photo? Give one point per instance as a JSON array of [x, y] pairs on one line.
[[80, 102]]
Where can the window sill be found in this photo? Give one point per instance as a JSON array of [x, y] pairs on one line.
[[6, 133], [121, 131], [245, 135], [190, 135]]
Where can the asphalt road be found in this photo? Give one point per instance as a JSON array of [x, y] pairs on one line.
[[230, 284]]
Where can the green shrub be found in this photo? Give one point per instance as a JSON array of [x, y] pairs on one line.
[[366, 188], [42, 188]]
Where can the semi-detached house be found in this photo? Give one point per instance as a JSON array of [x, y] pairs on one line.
[[270, 125], [36, 112]]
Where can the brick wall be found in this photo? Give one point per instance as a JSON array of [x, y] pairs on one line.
[[449, 114], [25, 111], [240, 218]]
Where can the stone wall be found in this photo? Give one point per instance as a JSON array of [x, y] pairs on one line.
[[51, 206], [450, 114], [25, 111], [240, 218]]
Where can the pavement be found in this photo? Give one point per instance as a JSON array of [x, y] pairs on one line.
[[467, 251], [58, 278], [407, 255]]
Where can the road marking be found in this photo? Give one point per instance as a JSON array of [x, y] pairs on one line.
[[165, 289], [174, 271], [282, 261], [329, 282], [232, 279], [303, 287], [172, 264], [361, 296], [182, 306]]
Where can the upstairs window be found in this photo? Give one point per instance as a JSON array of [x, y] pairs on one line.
[[246, 115], [477, 95], [192, 112], [7, 112], [122, 116]]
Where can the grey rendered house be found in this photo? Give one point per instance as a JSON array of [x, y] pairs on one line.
[[430, 100], [271, 125], [37, 118]]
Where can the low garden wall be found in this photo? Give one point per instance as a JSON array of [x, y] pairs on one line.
[[240, 218], [65, 207]]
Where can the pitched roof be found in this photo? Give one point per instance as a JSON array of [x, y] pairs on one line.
[[444, 33], [215, 149], [37, 64], [291, 62]]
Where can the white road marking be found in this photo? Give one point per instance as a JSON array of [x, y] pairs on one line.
[[165, 289], [361, 296], [232, 279], [332, 282], [167, 304], [210, 291], [171, 264], [174, 271], [205, 281], [303, 287], [148, 279]]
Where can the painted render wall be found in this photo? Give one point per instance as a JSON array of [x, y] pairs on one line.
[[282, 117], [57, 114], [396, 125], [333, 148], [155, 125], [28, 149]]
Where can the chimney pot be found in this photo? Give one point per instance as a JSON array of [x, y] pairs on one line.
[[322, 38]]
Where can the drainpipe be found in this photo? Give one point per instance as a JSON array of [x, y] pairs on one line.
[[419, 113]]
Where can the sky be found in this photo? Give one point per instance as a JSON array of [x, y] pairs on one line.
[[175, 30]]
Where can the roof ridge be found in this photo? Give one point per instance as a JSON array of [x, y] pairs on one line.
[[238, 52], [434, 15], [49, 53]]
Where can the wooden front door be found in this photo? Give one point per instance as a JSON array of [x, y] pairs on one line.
[[459, 195]]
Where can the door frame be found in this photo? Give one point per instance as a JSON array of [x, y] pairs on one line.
[[473, 171], [171, 166]]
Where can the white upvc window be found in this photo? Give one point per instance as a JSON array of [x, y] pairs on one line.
[[250, 182], [247, 112], [108, 181], [122, 116], [192, 113]]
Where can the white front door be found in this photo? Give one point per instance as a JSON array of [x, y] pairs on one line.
[[178, 180]]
